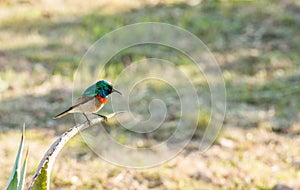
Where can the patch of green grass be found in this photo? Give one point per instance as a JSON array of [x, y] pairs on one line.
[[264, 187], [203, 119], [272, 93], [267, 78]]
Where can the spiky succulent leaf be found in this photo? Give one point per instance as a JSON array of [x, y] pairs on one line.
[[23, 173], [42, 179], [14, 179]]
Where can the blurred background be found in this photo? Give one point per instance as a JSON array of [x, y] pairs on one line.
[[257, 45]]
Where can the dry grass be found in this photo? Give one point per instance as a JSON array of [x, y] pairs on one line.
[[243, 159], [256, 44]]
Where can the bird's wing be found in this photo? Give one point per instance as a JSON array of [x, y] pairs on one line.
[[81, 100], [87, 95], [91, 91]]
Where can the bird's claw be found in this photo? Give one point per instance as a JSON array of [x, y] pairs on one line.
[[103, 116], [89, 122]]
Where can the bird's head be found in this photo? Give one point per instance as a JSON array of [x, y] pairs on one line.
[[105, 88]]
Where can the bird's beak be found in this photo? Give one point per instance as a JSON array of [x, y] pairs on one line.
[[114, 90]]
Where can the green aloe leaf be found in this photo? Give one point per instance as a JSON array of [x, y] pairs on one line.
[[23, 173], [41, 181], [14, 179]]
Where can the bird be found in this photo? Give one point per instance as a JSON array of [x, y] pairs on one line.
[[91, 101]]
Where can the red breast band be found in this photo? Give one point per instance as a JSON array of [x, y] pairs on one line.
[[102, 100]]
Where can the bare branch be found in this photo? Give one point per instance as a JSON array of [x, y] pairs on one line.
[[57, 146]]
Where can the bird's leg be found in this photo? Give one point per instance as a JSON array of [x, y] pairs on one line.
[[87, 119], [103, 116]]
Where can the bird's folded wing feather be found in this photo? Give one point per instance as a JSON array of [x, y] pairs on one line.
[[81, 100], [91, 91]]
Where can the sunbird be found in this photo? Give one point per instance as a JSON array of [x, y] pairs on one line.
[[92, 100]]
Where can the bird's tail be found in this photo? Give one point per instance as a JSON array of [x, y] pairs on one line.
[[63, 113]]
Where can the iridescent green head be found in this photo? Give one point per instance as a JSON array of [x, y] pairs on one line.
[[102, 87]]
